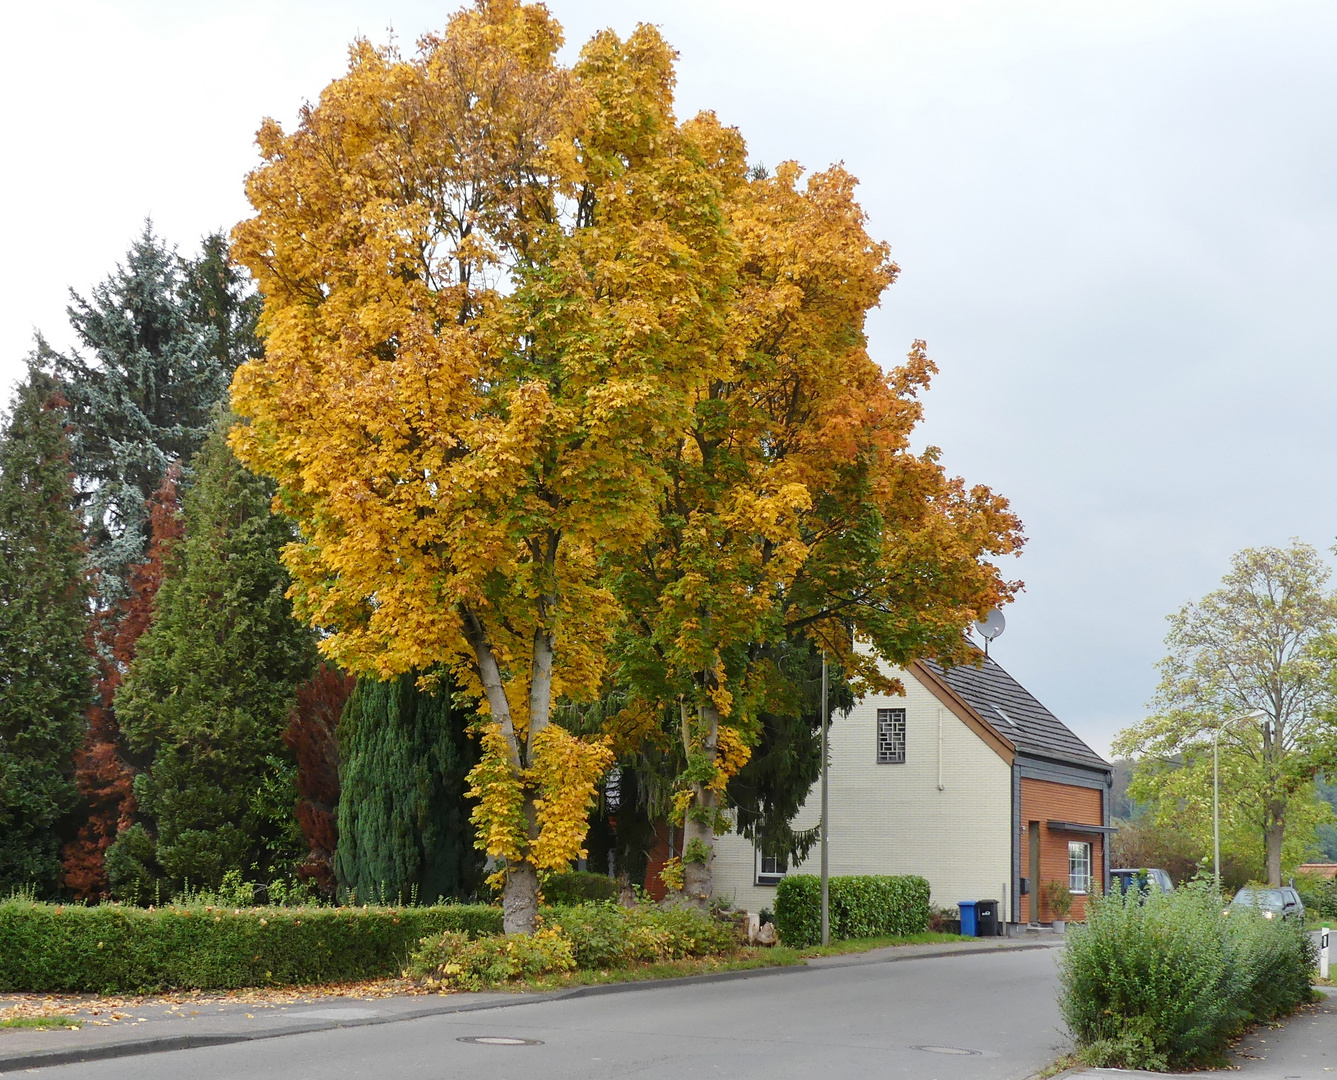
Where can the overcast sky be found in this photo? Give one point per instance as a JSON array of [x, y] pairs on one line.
[[1115, 223]]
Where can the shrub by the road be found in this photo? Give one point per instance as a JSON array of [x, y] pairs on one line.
[[117, 949], [587, 936], [1163, 981], [862, 906], [455, 961]]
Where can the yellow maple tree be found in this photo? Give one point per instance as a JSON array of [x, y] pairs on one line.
[[492, 284], [796, 508]]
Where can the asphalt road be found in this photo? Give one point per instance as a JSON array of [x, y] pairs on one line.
[[984, 1016]]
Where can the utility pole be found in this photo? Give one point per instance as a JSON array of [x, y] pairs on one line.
[[826, 877]]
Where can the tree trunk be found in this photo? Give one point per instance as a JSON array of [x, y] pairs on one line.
[[1274, 831], [520, 899], [698, 831]]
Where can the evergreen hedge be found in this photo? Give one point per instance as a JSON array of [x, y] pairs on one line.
[[862, 906], [49, 948]]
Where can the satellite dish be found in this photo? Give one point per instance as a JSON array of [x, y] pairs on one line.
[[990, 627]]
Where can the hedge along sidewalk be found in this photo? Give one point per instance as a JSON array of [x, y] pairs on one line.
[[861, 906], [167, 1029], [55, 948]]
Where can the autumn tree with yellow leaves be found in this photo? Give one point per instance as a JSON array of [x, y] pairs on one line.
[[545, 366], [491, 287], [795, 508]]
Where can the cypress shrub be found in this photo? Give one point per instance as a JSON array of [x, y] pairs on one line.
[[45, 669], [47, 948], [206, 700], [404, 829], [862, 906]]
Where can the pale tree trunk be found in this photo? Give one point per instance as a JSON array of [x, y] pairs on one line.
[[1274, 831], [698, 830], [520, 893]]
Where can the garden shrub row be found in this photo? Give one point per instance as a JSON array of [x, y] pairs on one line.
[[589, 936], [116, 949], [862, 906], [1161, 982]]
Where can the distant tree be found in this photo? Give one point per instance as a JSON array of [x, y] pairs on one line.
[[45, 670], [207, 698], [404, 829], [1261, 646], [160, 338], [313, 738], [104, 775]]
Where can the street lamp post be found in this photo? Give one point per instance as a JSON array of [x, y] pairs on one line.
[[826, 879], [1216, 793]]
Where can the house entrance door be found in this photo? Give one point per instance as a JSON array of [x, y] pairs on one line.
[[1033, 907]]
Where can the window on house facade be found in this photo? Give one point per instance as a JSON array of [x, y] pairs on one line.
[[891, 736], [770, 868], [1079, 867]]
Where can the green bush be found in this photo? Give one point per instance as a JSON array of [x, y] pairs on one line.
[[608, 936], [1319, 895], [114, 949], [455, 960], [861, 907], [579, 887], [1162, 981]]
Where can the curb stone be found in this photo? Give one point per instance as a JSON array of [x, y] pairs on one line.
[[159, 1044]]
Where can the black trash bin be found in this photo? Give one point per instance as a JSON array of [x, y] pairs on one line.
[[986, 913]]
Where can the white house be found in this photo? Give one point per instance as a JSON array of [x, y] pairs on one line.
[[954, 781]]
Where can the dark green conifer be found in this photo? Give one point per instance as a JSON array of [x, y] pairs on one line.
[[206, 701], [404, 829], [45, 667]]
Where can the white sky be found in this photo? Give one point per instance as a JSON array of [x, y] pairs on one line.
[[1114, 220]]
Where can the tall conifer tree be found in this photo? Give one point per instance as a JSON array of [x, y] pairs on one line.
[[45, 672], [404, 828], [160, 339], [207, 698]]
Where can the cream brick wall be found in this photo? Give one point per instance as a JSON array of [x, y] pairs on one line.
[[892, 819]]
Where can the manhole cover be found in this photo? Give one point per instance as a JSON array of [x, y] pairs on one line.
[[961, 1051], [499, 1040]]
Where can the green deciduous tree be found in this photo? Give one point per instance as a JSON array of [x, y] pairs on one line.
[[207, 699], [45, 667], [1261, 648], [404, 829]]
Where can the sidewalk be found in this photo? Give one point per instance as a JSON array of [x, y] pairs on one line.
[[183, 1021], [1301, 1047]]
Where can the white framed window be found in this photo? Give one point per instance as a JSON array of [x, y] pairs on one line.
[[891, 736], [1079, 866], [770, 868]]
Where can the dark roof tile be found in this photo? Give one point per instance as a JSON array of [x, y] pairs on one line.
[[1015, 712]]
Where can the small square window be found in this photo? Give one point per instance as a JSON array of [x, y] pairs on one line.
[[1079, 867], [771, 869], [891, 736]]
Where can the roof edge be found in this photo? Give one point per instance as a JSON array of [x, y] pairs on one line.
[[999, 743]]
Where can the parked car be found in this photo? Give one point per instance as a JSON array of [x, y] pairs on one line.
[[1284, 903], [1144, 880]]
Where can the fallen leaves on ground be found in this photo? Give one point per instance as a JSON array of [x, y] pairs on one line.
[[104, 1009]]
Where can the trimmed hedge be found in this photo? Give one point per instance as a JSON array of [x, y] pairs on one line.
[[862, 906], [50, 948], [1162, 981], [579, 887]]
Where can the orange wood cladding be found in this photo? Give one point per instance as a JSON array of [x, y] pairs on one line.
[[1042, 800]]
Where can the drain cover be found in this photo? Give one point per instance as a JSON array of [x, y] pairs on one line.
[[961, 1051], [499, 1040]]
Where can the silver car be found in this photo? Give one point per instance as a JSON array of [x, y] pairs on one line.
[[1280, 903]]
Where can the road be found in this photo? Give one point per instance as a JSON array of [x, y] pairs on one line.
[[991, 1017]]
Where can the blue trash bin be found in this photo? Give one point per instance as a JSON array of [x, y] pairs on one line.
[[970, 926]]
